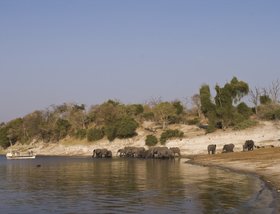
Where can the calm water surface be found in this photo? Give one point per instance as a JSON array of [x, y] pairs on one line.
[[84, 185]]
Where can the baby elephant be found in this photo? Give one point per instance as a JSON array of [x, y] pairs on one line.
[[211, 149], [228, 148], [248, 145]]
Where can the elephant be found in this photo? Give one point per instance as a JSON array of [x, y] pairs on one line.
[[248, 145], [162, 152], [102, 153], [121, 152], [228, 148], [211, 149], [165, 154], [176, 151], [130, 151]]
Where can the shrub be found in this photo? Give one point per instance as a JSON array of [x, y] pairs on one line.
[[151, 140], [245, 124], [80, 134], [168, 134], [61, 129], [148, 115], [4, 141], [126, 127], [110, 132], [95, 134], [193, 121], [269, 112], [244, 110], [122, 128]]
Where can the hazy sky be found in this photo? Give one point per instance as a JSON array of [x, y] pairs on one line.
[[58, 51]]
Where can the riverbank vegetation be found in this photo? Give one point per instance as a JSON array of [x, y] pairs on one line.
[[113, 119]]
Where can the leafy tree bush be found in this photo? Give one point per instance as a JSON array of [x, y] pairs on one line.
[[193, 121], [15, 130], [269, 112], [110, 132], [122, 128], [265, 99], [148, 115], [151, 140], [126, 127], [62, 128], [135, 109], [4, 141], [244, 110], [169, 133], [179, 107], [244, 124], [95, 134], [80, 134], [221, 114], [163, 112]]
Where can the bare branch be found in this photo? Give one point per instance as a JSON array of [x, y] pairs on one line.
[[254, 97], [274, 91]]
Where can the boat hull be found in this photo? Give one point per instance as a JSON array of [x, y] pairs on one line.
[[11, 156]]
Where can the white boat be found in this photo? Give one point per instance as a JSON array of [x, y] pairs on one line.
[[17, 155]]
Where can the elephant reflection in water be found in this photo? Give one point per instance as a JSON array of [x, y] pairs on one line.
[[102, 153]]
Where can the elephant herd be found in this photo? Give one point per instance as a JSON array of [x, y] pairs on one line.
[[248, 146], [140, 152]]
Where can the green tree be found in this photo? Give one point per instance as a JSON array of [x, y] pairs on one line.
[[95, 134], [265, 99], [151, 140], [169, 133], [208, 108], [15, 130], [61, 129], [163, 112], [244, 110], [4, 140], [107, 113], [126, 127]]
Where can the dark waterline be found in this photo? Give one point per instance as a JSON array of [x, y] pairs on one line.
[[84, 185]]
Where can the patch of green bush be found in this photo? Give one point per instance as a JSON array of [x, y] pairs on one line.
[[80, 134], [269, 112], [148, 115], [244, 110], [245, 124], [193, 121], [4, 141], [95, 134], [151, 140], [168, 134], [122, 128], [126, 127]]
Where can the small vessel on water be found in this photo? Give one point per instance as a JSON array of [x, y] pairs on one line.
[[15, 155]]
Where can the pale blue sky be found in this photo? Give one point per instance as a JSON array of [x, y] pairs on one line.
[[59, 51]]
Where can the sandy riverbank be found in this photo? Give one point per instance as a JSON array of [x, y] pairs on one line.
[[195, 141]]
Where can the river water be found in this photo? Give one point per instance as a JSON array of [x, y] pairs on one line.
[[86, 185]]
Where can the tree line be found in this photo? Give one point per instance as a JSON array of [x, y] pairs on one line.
[[113, 119]]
